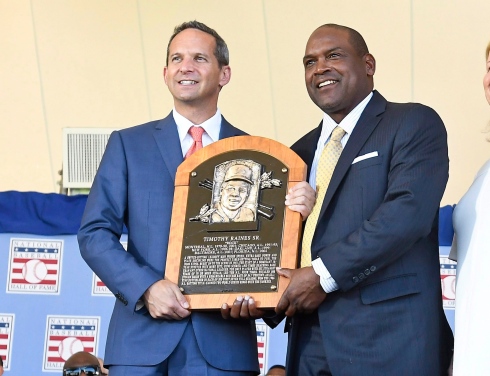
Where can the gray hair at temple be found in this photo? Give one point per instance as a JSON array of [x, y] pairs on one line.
[[221, 50]]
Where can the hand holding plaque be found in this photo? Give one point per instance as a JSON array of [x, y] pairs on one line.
[[230, 227]]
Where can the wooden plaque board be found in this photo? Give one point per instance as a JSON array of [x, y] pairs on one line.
[[230, 228]]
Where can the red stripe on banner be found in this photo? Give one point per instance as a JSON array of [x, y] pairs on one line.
[[61, 338], [52, 262], [56, 348], [260, 344], [4, 336], [100, 284], [18, 271], [52, 272], [27, 283], [261, 355], [53, 359], [23, 261], [3, 347]]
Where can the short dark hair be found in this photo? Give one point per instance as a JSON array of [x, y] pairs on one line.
[[355, 38], [276, 366], [221, 50], [1, 362]]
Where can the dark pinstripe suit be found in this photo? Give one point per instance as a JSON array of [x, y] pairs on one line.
[[377, 235]]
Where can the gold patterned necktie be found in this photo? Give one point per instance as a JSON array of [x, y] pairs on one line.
[[326, 165], [196, 134]]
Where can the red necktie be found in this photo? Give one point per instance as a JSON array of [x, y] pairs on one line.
[[196, 134]]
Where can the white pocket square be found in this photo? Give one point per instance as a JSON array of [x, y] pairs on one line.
[[365, 156]]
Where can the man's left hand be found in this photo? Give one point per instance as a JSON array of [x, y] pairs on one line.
[[304, 293], [301, 198], [242, 308]]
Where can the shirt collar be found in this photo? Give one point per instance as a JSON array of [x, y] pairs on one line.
[[348, 123], [212, 126]]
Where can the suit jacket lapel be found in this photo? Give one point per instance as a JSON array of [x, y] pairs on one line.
[[363, 129], [310, 154], [167, 139], [228, 130], [306, 147]]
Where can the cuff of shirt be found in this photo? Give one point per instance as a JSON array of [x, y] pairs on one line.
[[139, 304], [328, 283]]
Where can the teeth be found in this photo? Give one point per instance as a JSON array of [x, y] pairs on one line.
[[188, 82], [329, 82]]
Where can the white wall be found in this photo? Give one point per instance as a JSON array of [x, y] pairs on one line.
[[94, 63]]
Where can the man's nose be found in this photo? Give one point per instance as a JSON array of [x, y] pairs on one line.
[[187, 65], [322, 66]]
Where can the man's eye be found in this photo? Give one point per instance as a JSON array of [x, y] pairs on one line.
[[309, 63], [333, 56]]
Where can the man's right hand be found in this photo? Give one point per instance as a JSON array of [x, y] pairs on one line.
[[164, 300]]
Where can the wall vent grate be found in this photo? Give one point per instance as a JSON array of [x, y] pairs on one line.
[[82, 151]]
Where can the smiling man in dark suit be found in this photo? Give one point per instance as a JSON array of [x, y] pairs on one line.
[[370, 301], [152, 331]]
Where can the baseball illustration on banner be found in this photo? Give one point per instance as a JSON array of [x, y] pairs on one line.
[[449, 287], [70, 346], [448, 282], [34, 271], [35, 265]]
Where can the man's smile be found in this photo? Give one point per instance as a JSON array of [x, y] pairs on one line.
[[187, 82], [326, 83]]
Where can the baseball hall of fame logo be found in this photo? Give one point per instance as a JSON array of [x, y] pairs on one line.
[[35, 266], [99, 288], [448, 282], [262, 345], [67, 335], [6, 335]]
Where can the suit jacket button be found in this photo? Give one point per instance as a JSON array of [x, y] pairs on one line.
[[372, 268], [355, 279], [361, 276], [367, 272]]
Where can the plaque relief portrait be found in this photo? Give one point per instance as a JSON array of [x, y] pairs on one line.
[[235, 191]]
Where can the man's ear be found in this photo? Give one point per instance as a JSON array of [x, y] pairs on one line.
[[225, 75], [165, 74], [370, 62]]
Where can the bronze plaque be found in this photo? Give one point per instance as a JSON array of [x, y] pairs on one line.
[[230, 228]]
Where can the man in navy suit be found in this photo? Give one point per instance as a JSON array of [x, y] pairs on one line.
[[370, 304], [152, 331]]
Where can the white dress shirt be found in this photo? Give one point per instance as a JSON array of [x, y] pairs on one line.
[[211, 127], [347, 124]]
